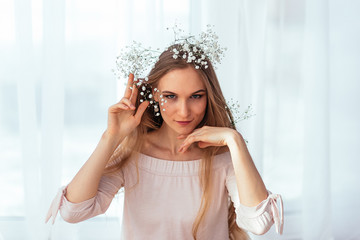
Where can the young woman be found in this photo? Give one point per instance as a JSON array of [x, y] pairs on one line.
[[185, 170]]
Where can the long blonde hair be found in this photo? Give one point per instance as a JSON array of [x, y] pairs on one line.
[[217, 114]]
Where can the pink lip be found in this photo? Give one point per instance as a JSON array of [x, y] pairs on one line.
[[183, 122]]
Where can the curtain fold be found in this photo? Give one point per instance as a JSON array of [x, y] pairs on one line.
[[52, 101], [316, 207], [27, 117]]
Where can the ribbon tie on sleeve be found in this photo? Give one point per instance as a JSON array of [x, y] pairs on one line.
[[55, 205], [278, 219]]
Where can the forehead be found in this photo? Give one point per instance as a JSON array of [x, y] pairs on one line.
[[185, 80]]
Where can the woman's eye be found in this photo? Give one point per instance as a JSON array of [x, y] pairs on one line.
[[170, 96], [197, 96]]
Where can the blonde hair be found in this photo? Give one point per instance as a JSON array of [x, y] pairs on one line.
[[217, 114]]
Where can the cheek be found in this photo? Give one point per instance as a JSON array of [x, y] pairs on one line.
[[200, 107]]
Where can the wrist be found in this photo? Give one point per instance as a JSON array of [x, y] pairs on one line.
[[235, 138], [110, 139]]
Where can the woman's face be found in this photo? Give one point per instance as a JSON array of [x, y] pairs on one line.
[[184, 99]]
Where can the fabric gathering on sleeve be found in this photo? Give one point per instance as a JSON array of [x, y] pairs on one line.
[[76, 212], [257, 219]]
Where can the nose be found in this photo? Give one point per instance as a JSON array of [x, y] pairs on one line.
[[184, 109]]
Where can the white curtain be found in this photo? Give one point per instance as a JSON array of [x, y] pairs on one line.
[[295, 62]]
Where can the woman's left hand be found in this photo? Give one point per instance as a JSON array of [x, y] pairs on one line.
[[207, 136]]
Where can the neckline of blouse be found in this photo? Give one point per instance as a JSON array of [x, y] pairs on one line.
[[174, 168], [168, 160]]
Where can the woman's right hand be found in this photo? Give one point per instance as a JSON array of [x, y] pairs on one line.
[[121, 118]]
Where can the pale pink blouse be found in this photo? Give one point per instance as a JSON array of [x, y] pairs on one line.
[[165, 202]]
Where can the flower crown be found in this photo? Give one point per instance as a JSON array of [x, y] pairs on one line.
[[197, 51], [194, 50]]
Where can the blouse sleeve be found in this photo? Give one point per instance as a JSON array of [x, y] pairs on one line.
[[260, 218], [109, 185]]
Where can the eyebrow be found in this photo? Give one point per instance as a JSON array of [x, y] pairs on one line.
[[198, 91]]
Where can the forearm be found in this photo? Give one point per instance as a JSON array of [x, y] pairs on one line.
[[85, 183], [250, 185]]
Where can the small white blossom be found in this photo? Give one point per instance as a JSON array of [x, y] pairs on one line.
[[234, 108]]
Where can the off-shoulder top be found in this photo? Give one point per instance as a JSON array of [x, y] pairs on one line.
[[165, 201]]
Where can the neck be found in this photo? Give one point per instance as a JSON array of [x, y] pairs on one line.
[[167, 139]]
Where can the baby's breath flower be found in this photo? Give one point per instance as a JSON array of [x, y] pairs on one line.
[[238, 116], [195, 50]]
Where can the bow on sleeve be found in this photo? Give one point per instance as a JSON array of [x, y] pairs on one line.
[[278, 219], [55, 205]]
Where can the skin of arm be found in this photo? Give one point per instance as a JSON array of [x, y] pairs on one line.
[[85, 183], [250, 185], [251, 188]]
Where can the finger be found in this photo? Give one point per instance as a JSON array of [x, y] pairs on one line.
[[140, 110], [117, 106], [188, 142], [134, 94], [129, 84], [128, 103], [204, 144]]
